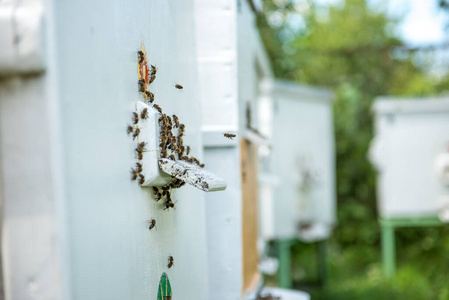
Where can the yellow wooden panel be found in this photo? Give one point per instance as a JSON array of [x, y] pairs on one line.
[[249, 215]]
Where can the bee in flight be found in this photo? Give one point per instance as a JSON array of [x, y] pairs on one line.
[[229, 135]]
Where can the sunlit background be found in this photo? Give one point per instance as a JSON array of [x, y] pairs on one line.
[[363, 50]]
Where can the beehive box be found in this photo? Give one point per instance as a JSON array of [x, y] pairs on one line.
[[409, 136], [302, 160], [75, 225]]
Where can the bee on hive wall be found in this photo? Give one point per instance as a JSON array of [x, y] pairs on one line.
[[170, 261], [157, 108], [136, 133], [144, 113], [135, 118], [129, 129], [134, 174], [150, 96], [140, 56], [141, 179], [152, 224]]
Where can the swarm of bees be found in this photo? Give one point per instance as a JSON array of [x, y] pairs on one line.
[[171, 144], [142, 85], [136, 173]]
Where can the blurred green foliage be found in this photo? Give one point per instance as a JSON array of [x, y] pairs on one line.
[[352, 49]]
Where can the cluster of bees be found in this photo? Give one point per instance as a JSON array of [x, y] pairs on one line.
[[171, 146], [171, 143], [136, 173]]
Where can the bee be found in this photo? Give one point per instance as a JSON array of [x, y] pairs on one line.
[[141, 84], [138, 167], [141, 146], [163, 141], [180, 150], [229, 135], [185, 158], [174, 184], [153, 70], [150, 96], [152, 78], [134, 174], [187, 150], [202, 166], [136, 133], [144, 113], [169, 204], [139, 155], [170, 261], [182, 127], [166, 193], [129, 129], [140, 56], [169, 121], [158, 197], [176, 120], [191, 160], [152, 224], [165, 187], [172, 157], [155, 190], [180, 141], [178, 86], [135, 118], [157, 108], [141, 179], [168, 297], [163, 153]]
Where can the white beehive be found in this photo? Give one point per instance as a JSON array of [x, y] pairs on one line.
[[410, 151], [302, 159]]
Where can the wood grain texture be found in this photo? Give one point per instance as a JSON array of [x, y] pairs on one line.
[[249, 214]]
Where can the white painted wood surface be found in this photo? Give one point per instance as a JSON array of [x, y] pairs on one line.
[[76, 225], [22, 36], [150, 134], [192, 174], [410, 134], [32, 196], [217, 62], [254, 71], [99, 55]]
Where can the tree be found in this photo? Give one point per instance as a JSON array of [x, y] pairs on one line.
[[350, 48]]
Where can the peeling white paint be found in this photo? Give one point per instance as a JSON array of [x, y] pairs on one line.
[[192, 174]]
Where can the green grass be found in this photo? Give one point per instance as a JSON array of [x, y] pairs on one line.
[[356, 270]]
